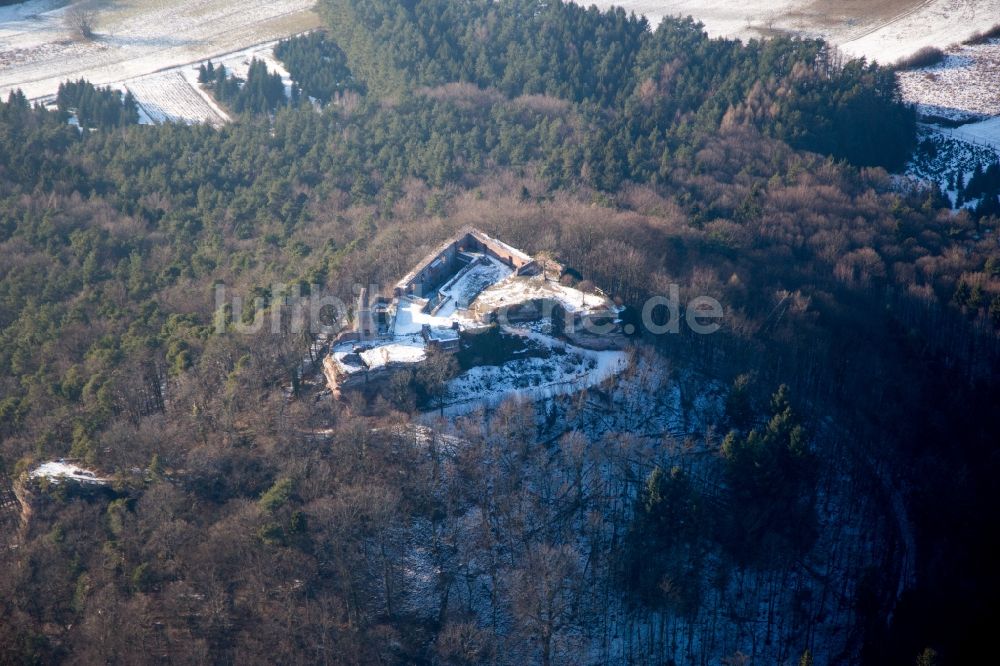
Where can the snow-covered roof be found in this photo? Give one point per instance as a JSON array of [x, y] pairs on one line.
[[485, 239], [509, 249], [442, 334]]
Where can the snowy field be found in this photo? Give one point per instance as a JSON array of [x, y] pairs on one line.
[[170, 96], [966, 84], [963, 88], [135, 38], [939, 23], [174, 95], [985, 133], [885, 30]]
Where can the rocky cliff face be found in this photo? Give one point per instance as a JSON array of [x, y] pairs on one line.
[[24, 504], [10, 508], [32, 494]]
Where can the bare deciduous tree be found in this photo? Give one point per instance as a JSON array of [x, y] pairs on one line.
[[464, 643], [544, 595], [80, 21]]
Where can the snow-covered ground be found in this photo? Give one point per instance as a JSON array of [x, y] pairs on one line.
[[472, 280], [569, 480], [237, 63], [883, 30], [135, 38], [60, 470], [963, 88], [516, 289], [410, 317], [945, 153], [570, 369], [985, 133], [966, 84], [401, 350], [938, 23], [175, 95], [170, 96]]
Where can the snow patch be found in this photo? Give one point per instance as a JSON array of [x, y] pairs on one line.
[[520, 289], [400, 351], [60, 470], [567, 369], [944, 152]]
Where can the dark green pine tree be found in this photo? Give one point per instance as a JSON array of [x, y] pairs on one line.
[[769, 475]]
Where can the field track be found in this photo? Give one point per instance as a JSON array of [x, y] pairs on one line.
[[871, 29], [135, 38]]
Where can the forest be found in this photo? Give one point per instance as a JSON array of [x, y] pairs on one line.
[[260, 92], [842, 481], [95, 107]]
